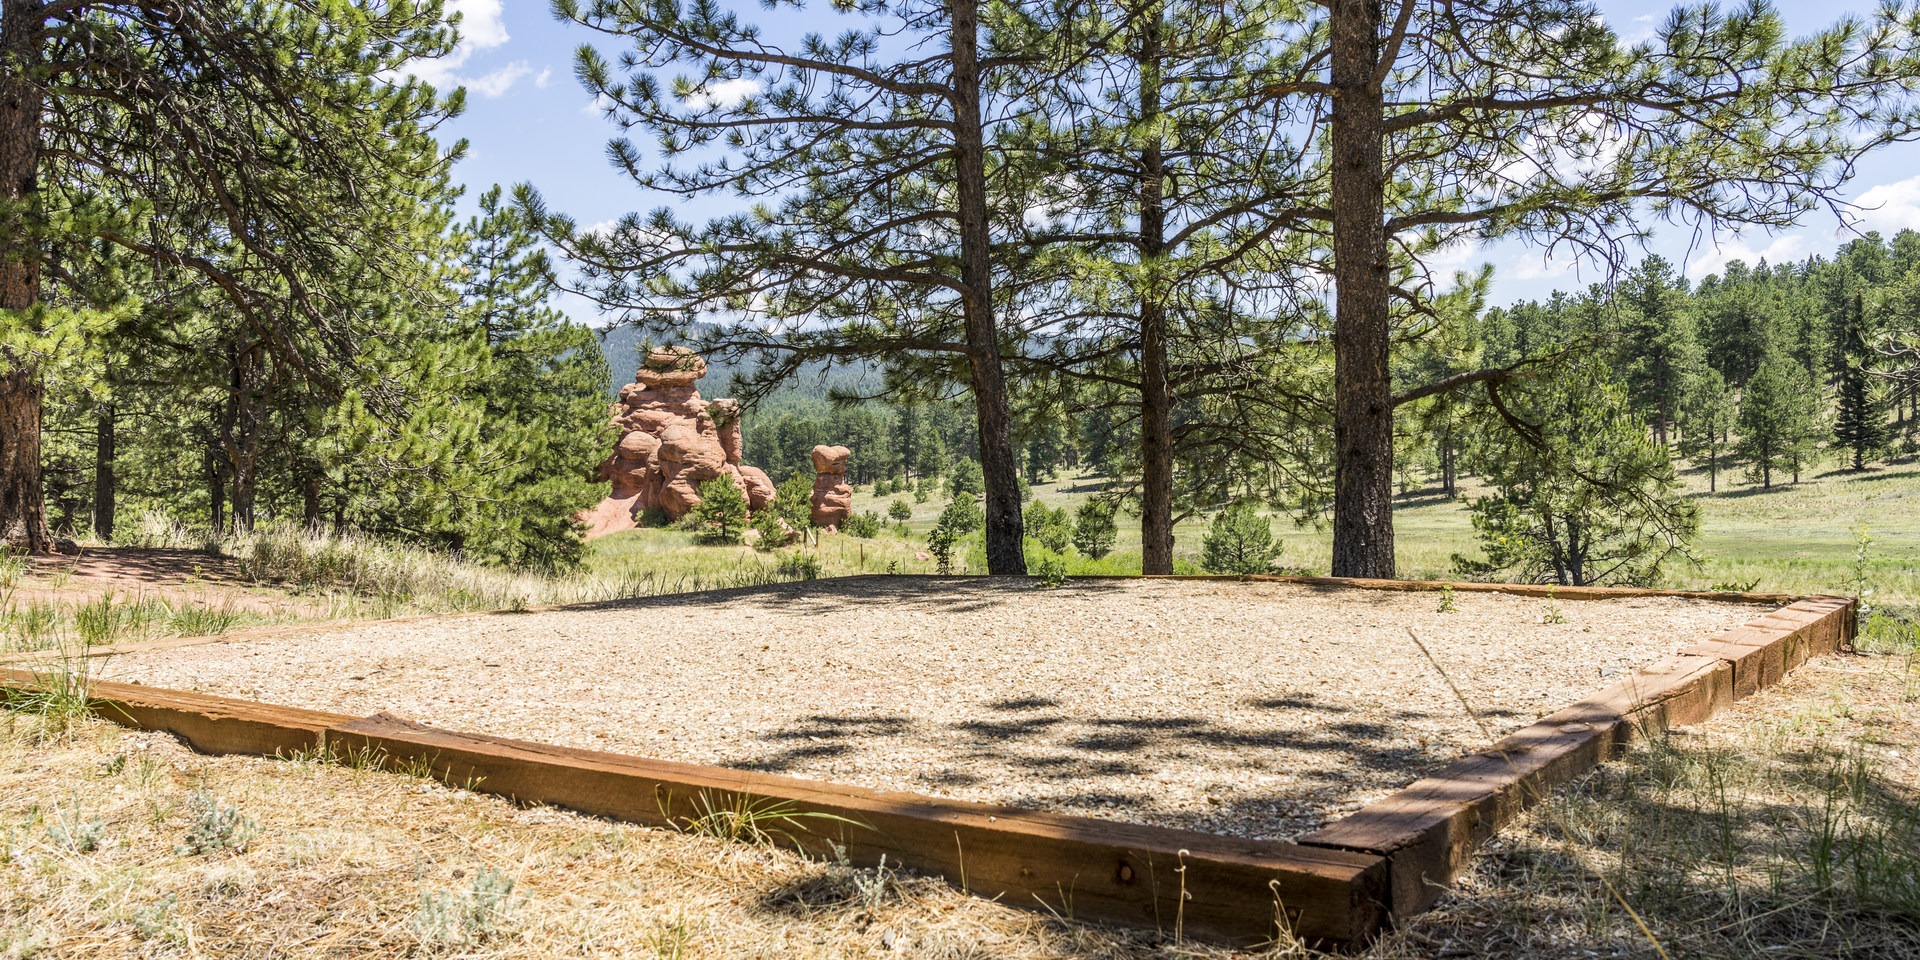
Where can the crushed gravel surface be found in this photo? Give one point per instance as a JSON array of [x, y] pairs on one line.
[[1250, 709]]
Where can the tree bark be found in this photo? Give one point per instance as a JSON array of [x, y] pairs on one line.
[[105, 439], [1005, 553], [240, 431], [23, 509], [1156, 395], [216, 490], [310, 502], [1363, 394]]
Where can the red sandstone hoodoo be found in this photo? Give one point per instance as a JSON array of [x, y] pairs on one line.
[[832, 496], [671, 442]]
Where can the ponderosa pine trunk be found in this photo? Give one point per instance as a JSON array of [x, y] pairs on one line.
[[310, 502], [1156, 393], [105, 486], [240, 427], [216, 491], [23, 510], [1363, 394], [1005, 553]]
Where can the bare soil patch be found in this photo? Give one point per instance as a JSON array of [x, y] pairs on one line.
[[1250, 709], [140, 573]]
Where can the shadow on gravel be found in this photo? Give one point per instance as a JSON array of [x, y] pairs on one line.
[[1097, 763]]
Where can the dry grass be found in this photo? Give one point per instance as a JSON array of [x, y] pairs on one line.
[[345, 862], [362, 577], [1788, 827]]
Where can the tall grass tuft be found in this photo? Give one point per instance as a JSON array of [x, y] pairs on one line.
[[12, 568], [58, 694], [44, 625]]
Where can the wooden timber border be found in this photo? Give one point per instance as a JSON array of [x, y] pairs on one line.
[[1337, 886]]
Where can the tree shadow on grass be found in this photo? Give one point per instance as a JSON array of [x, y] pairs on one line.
[[1720, 852]]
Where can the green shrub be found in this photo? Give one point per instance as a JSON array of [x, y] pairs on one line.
[[799, 566], [451, 917], [773, 532], [1050, 569], [866, 526], [923, 491], [1049, 525], [900, 511], [721, 516], [960, 518], [215, 827], [1240, 540], [1094, 530]]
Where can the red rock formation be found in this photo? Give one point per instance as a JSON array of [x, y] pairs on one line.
[[832, 497], [671, 442]]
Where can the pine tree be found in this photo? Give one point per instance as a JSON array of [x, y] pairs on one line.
[[1658, 344], [542, 397], [1707, 412], [721, 515], [1583, 494], [1239, 540], [1860, 420], [1154, 201], [271, 131], [1093, 528], [1779, 422], [872, 148], [1472, 119]]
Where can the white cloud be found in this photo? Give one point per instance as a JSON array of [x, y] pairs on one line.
[[726, 93], [481, 29], [1639, 30], [1890, 207], [540, 81], [1539, 265], [1785, 247], [498, 82], [598, 106], [1458, 255], [480, 23]]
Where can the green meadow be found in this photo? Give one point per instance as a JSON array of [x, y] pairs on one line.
[[1793, 538]]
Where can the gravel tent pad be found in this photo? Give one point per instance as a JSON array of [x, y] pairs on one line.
[[1239, 708]]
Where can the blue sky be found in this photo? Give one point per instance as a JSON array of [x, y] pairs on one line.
[[529, 120]]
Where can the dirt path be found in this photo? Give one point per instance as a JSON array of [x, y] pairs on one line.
[[175, 576]]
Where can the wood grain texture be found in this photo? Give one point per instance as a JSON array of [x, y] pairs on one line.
[[215, 725]]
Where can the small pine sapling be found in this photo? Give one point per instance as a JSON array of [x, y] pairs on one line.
[[721, 515]]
